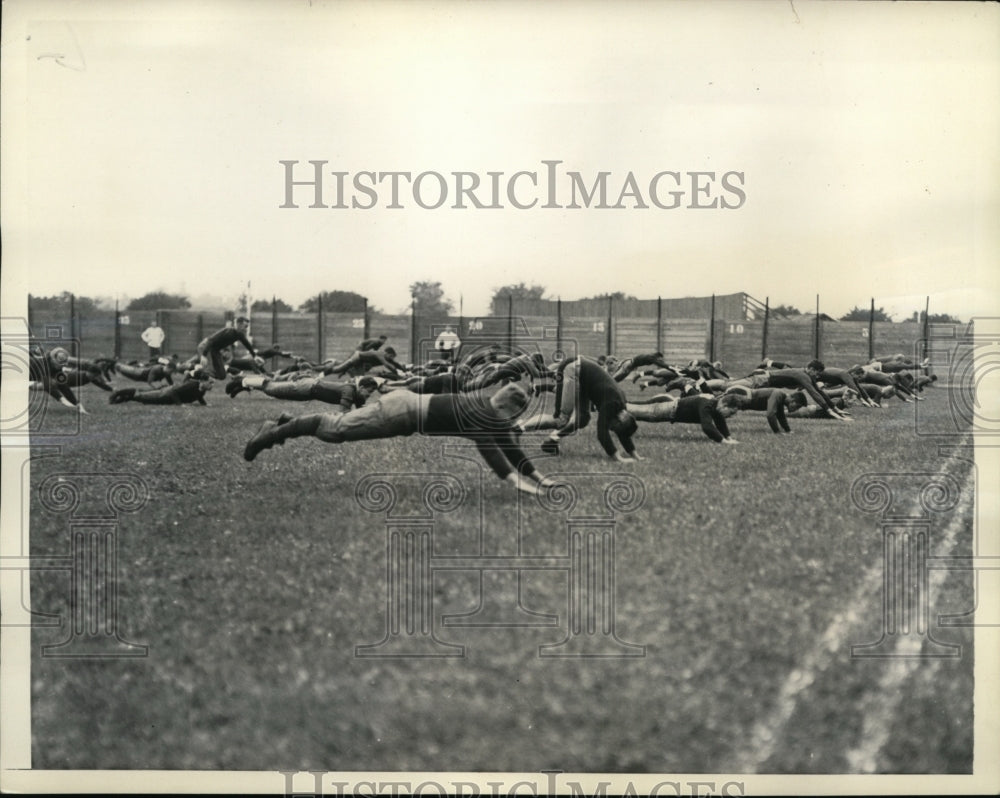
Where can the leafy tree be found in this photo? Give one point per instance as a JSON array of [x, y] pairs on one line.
[[429, 299], [616, 296], [264, 306], [782, 311], [159, 300], [81, 304], [863, 314], [934, 318], [518, 291], [335, 302]]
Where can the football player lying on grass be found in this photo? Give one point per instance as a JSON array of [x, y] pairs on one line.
[[641, 363], [105, 366], [148, 373], [303, 387], [527, 365], [190, 391], [363, 360], [237, 365], [710, 412], [457, 381], [899, 362], [799, 405], [402, 413], [646, 378], [580, 383], [78, 376]]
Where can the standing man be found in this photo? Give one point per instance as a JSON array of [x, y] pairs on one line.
[[210, 350], [153, 337]]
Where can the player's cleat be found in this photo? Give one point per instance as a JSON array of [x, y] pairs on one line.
[[121, 395], [550, 446], [264, 439]]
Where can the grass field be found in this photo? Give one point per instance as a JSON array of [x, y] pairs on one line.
[[747, 574]]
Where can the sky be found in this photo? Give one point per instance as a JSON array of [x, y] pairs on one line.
[[142, 148]]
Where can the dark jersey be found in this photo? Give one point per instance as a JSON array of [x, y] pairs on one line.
[[228, 336], [771, 401], [701, 410], [343, 393], [437, 384], [598, 388], [187, 392], [469, 417]]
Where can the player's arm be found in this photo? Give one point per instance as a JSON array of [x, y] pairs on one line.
[[776, 411], [246, 343], [709, 424]]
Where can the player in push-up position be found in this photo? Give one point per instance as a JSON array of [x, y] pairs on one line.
[[47, 372], [834, 377], [581, 382], [796, 380], [772, 401], [710, 412], [486, 422]]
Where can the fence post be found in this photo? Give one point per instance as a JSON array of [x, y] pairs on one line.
[[29, 315], [274, 328], [659, 324], [816, 332], [201, 327], [510, 324], [871, 332], [72, 325], [927, 319], [711, 332], [319, 328], [367, 325], [118, 332], [767, 316], [413, 329], [611, 313], [559, 347]]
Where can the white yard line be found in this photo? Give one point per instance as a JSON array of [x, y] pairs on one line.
[[880, 706], [768, 733]]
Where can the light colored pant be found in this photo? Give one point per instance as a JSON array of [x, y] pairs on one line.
[[396, 413]]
